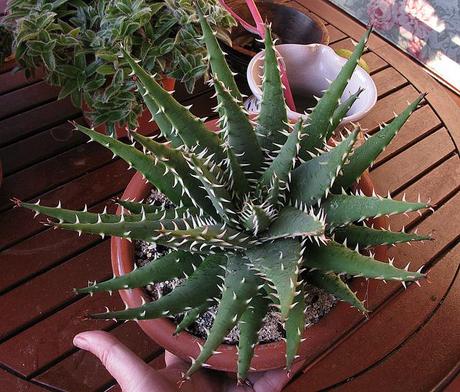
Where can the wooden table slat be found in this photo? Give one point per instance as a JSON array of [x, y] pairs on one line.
[[40, 345], [44, 250], [412, 163], [44, 289], [98, 185], [40, 147]]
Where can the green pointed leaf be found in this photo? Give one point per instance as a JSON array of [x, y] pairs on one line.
[[211, 180], [238, 132], [155, 172], [190, 128], [341, 112], [250, 323], [331, 283], [240, 287], [200, 287], [318, 122], [366, 237], [272, 122], [295, 325], [344, 209], [336, 258], [279, 262], [177, 264], [165, 126], [219, 66], [292, 222], [191, 316], [284, 162], [257, 218], [176, 162], [366, 154], [312, 180], [73, 216]]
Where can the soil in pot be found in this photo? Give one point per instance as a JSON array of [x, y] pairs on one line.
[[319, 302]]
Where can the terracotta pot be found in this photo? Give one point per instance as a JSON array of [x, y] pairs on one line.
[[289, 25], [267, 356], [145, 127]]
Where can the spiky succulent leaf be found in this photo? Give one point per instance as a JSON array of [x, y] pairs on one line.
[[341, 112], [241, 285], [168, 232], [281, 167], [239, 132], [190, 128], [176, 162], [292, 222], [272, 124], [343, 209], [71, 216], [295, 325], [257, 218], [334, 285], [317, 124], [366, 154], [176, 264], [208, 238], [191, 316], [250, 324], [312, 180], [153, 170], [165, 126], [216, 190], [337, 258], [219, 66], [279, 263], [200, 287], [366, 237]]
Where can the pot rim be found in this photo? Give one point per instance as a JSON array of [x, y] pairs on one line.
[[236, 32], [186, 346], [370, 85]]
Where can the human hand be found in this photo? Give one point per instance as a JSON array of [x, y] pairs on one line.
[[134, 375]]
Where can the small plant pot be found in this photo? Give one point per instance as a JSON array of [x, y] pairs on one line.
[[289, 26], [145, 126], [184, 345], [310, 68]]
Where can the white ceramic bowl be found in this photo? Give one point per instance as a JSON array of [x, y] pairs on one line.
[[309, 67]]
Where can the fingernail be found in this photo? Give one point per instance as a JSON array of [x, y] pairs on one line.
[[80, 342]]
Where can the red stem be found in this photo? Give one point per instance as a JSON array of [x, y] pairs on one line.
[[259, 29]]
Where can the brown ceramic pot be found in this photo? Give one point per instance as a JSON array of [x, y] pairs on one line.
[[145, 127], [289, 25], [267, 356]]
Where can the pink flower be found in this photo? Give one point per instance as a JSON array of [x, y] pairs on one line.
[[418, 17], [383, 14]]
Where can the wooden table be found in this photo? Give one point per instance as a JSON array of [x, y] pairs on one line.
[[411, 340]]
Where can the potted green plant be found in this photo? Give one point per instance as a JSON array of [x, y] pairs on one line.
[[261, 207], [78, 43]]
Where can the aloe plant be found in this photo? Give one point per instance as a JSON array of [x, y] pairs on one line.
[[262, 207]]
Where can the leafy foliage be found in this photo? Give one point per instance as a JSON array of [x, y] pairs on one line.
[[254, 245], [6, 42], [78, 43]]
